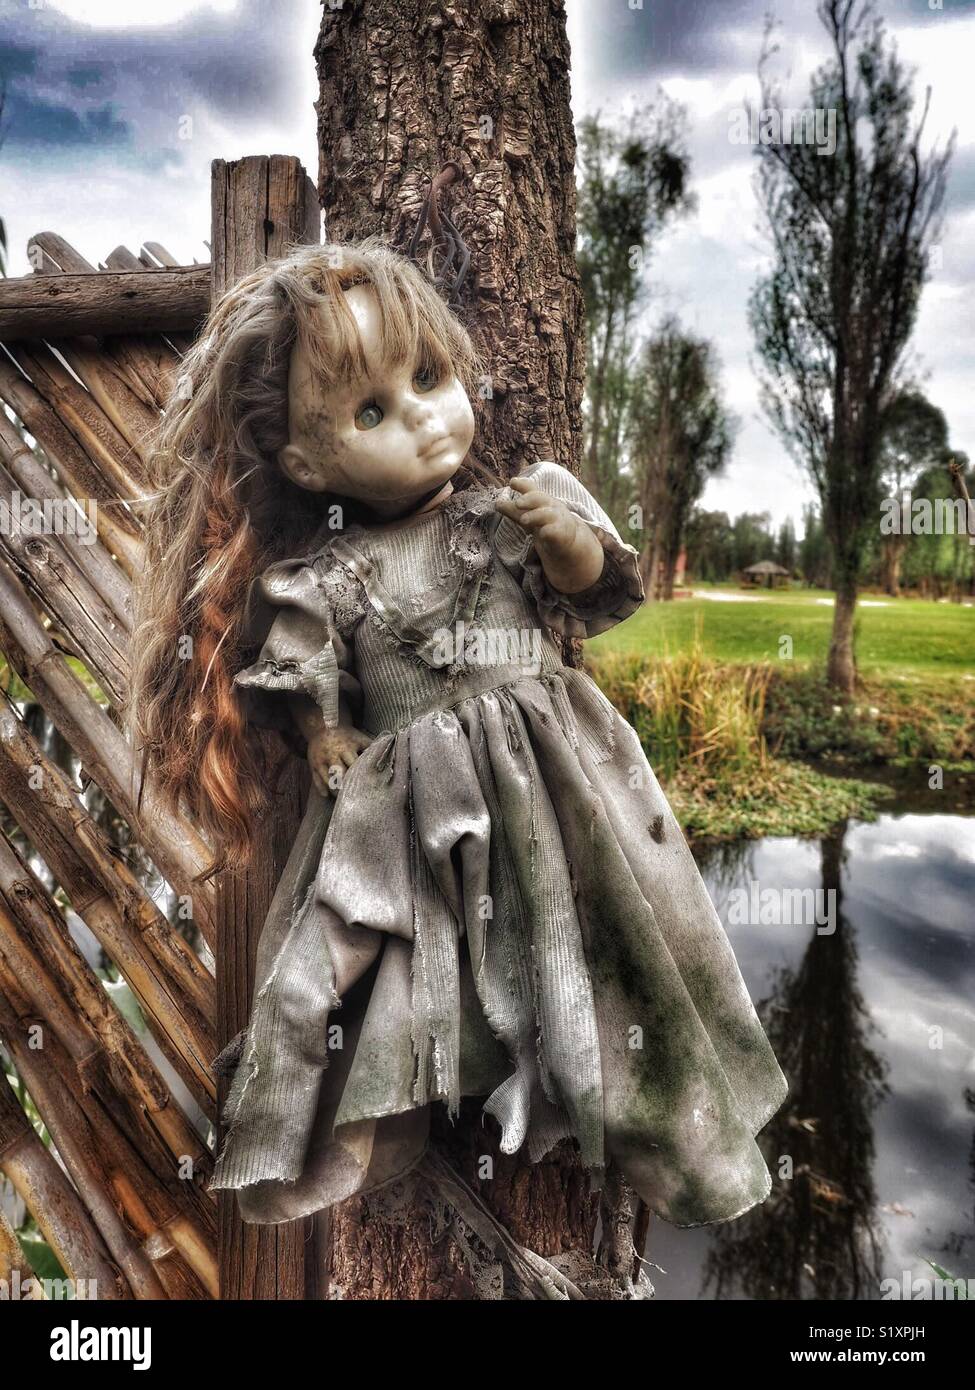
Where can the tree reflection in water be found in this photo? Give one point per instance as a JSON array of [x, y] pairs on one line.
[[818, 1235]]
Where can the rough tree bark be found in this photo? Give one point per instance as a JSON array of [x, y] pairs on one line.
[[405, 87]]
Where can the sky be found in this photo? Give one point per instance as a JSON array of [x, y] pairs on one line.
[[115, 108]]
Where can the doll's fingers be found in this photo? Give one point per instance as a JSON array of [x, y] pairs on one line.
[[522, 484], [541, 517], [507, 507], [349, 756], [526, 501]]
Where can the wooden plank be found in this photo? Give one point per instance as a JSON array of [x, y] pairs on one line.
[[107, 301], [259, 206]]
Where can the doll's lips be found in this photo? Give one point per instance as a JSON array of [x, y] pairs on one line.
[[432, 448]]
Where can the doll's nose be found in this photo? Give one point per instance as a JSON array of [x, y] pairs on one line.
[[420, 414]]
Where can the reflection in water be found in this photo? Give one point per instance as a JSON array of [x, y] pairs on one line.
[[871, 1155], [816, 1236]]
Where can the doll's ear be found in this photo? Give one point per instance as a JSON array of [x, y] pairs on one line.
[[294, 461]]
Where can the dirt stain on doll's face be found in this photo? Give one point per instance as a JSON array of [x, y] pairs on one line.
[[385, 438]]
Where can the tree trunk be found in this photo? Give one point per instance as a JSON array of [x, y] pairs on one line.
[[404, 88], [893, 554], [841, 665]]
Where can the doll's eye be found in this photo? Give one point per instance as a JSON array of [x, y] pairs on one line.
[[426, 379], [368, 416]]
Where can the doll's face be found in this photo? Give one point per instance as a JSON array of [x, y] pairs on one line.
[[386, 438]]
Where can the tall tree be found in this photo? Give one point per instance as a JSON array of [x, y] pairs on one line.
[[632, 180], [913, 437], [785, 545], [814, 551], [851, 234], [404, 88], [680, 435]]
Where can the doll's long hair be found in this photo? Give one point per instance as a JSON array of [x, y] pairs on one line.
[[221, 508]]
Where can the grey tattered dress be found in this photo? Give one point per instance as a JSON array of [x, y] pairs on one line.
[[528, 922]]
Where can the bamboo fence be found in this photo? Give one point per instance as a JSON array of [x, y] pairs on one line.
[[122, 972]]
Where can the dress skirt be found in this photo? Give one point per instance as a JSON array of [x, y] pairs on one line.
[[500, 904]]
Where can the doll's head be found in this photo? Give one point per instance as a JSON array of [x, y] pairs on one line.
[[395, 424], [334, 374]]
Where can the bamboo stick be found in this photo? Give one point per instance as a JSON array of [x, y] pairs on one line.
[[148, 361], [129, 411], [35, 481], [88, 1155], [114, 454], [54, 1204], [81, 475], [174, 846], [63, 988], [163, 1201], [87, 626], [174, 990]]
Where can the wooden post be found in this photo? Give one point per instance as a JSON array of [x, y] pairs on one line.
[[259, 206]]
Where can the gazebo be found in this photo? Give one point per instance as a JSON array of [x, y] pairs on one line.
[[766, 572]]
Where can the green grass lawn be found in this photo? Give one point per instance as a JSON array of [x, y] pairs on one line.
[[904, 637]]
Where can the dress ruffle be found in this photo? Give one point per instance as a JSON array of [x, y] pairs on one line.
[[303, 652]]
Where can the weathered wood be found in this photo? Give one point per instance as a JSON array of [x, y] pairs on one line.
[[91, 1149], [174, 847], [130, 410], [77, 468], [138, 1164], [259, 207], [149, 361], [64, 990], [108, 301], [54, 1204], [92, 559], [174, 991], [88, 628], [160, 259], [112, 453], [159, 1186]]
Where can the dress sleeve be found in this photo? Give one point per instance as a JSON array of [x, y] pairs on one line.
[[302, 652], [618, 591]]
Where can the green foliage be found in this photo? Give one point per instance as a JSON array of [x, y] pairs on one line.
[[702, 726], [632, 181], [687, 710], [679, 435]]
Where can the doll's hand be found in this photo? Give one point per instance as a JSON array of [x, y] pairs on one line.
[[331, 751], [570, 554]]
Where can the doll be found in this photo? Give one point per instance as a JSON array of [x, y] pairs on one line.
[[488, 894]]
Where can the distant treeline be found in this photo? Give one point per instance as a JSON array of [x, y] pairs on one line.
[[926, 565]]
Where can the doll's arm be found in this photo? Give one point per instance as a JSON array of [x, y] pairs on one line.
[[572, 561], [304, 664], [331, 749]]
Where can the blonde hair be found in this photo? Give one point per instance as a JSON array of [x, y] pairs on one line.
[[222, 509]]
